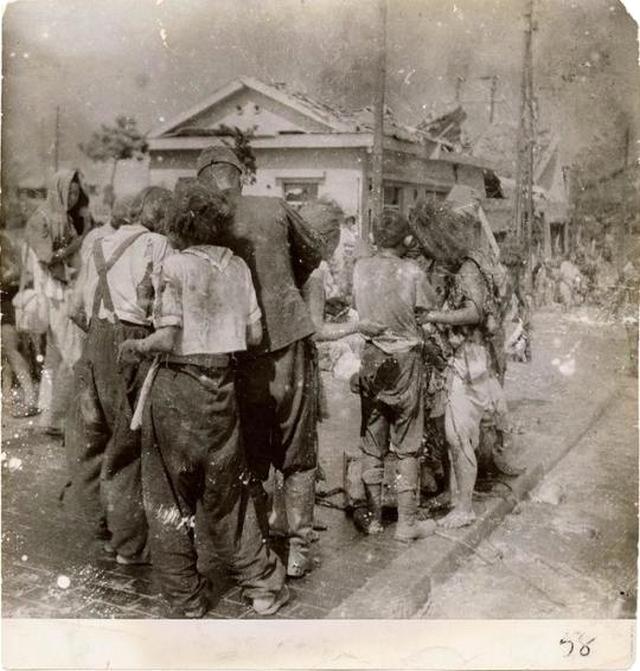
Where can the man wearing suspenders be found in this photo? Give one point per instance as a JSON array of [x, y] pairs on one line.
[[120, 282]]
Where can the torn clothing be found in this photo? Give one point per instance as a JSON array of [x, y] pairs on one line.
[[192, 456], [391, 396]]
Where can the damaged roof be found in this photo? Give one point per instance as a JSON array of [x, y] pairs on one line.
[[335, 119]]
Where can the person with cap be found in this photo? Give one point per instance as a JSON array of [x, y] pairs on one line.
[[120, 281], [192, 454], [276, 379], [390, 290]]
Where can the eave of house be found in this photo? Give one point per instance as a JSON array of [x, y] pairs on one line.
[[324, 141]]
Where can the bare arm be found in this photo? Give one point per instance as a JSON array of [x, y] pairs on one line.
[[467, 315], [315, 300], [254, 333], [161, 341]]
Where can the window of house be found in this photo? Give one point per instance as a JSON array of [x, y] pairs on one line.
[[298, 193], [392, 195]]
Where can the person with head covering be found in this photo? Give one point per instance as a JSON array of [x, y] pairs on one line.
[[192, 447], [54, 235], [120, 283], [470, 317], [275, 380], [390, 289]]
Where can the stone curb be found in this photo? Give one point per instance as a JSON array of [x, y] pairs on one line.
[[402, 588]]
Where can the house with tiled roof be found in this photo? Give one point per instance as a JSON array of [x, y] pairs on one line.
[[306, 149]]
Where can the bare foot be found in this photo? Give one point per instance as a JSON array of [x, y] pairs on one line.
[[457, 518]]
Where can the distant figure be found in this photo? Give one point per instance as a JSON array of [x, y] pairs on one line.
[[54, 233], [343, 259]]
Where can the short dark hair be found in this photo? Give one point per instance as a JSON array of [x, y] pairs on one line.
[[199, 216], [391, 229], [157, 197]]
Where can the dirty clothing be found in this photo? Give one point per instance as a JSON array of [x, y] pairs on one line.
[[278, 397], [213, 313], [50, 229], [192, 456], [134, 280], [474, 392], [103, 452], [391, 395], [388, 289], [281, 250]]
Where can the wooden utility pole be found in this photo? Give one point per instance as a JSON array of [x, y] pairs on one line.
[[459, 81], [56, 141], [377, 162], [523, 209], [492, 95]]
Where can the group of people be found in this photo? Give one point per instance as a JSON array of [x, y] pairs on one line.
[[185, 331]]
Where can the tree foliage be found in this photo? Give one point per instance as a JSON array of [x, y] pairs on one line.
[[241, 145], [115, 143]]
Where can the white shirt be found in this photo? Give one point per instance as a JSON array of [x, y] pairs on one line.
[[135, 277], [207, 291]]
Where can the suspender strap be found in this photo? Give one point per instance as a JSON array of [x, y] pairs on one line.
[[103, 293]]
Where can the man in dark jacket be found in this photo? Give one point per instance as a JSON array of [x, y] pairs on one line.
[[276, 380]]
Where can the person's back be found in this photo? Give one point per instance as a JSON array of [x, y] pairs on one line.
[[388, 289], [133, 276], [210, 289], [263, 235]]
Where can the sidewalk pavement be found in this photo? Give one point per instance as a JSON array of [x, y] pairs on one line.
[[50, 569]]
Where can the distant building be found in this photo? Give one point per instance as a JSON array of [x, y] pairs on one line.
[[305, 149]]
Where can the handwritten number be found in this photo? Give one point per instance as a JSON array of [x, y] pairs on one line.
[[585, 646], [564, 641]]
